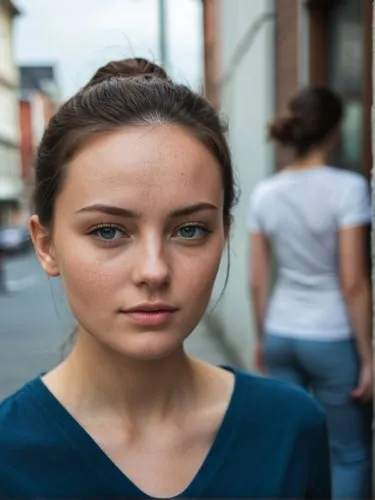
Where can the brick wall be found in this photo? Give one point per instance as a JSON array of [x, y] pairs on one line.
[[26, 136]]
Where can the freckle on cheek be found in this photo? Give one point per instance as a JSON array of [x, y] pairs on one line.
[[89, 279]]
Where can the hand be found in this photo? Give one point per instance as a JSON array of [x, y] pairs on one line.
[[364, 388], [259, 357]]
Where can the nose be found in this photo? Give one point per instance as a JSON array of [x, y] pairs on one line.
[[152, 268]]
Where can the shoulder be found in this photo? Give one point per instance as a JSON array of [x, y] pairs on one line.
[[27, 444], [16, 413], [265, 190], [352, 199], [10, 406], [271, 402], [267, 186], [347, 179]]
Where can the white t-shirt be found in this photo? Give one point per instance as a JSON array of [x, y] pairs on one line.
[[300, 212]]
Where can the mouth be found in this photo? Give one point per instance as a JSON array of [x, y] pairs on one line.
[[150, 314]]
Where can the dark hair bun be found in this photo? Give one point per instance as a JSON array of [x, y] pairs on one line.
[[313, 113], [288, 130], [128, 68]]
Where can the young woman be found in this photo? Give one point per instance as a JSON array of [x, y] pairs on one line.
[[134, 191], [316, 329]]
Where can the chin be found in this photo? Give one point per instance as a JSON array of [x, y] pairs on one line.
[[148, 347]]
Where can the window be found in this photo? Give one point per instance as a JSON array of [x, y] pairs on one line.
[[345, 74], [341, 57]]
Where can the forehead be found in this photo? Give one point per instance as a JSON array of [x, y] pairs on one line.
[[161, 164]]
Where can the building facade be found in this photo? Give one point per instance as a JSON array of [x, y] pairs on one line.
[[38, 101], [10, 166], [257, 54], [315, 41], [330, 42]]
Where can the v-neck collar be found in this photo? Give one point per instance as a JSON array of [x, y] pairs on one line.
[[94, 457]]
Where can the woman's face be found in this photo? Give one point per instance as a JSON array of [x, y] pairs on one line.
[[138, 237]]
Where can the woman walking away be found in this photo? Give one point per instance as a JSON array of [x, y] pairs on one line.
[[315, 330]]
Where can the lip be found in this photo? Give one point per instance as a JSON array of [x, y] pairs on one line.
[[150, 314]]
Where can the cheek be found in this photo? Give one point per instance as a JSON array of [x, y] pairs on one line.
[[88, 282], [86, 290], [197, 276]]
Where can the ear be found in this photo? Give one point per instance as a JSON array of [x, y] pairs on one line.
[[43, 245]]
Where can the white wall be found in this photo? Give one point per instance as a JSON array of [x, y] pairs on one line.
[[7, 65], [38, 118], [247, 99], [10, 173], [9, 114], [9, 120], [10, 167]]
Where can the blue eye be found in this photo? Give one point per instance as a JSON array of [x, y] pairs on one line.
[[192, 232], [107, 233]]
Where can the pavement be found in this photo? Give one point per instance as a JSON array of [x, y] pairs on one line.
[[35, 320]]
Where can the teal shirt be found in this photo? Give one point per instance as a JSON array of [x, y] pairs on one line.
[[272, 443]]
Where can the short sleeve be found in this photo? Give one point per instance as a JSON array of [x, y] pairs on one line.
[[355, 206], [253, 217]]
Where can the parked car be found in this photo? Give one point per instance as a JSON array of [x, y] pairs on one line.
[[14, 239]]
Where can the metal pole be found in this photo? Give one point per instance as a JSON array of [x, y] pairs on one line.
[[373, 239], [162, 16]]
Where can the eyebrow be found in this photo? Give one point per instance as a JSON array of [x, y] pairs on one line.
[[124, 212]]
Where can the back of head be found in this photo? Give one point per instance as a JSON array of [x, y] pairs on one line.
[[125, 93], [313, 114]]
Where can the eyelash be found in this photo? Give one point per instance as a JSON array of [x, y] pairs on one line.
[[95, 230], [201, 227]]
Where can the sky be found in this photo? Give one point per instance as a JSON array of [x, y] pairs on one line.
[[78, 36]]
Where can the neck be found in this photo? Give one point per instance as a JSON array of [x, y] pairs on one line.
[[95, 379], [315, 158]]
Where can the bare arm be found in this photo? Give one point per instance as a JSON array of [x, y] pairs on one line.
[[356, 289], [259, 273]]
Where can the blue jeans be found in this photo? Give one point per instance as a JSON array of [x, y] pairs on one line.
[[330, 371]]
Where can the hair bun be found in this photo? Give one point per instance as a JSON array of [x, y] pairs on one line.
[[288, 130], [313, 114], [128, 68]]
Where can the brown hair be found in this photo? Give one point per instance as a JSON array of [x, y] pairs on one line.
[[313, 113], [126, 92]]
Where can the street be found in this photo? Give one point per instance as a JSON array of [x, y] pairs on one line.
[[35, 320]]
